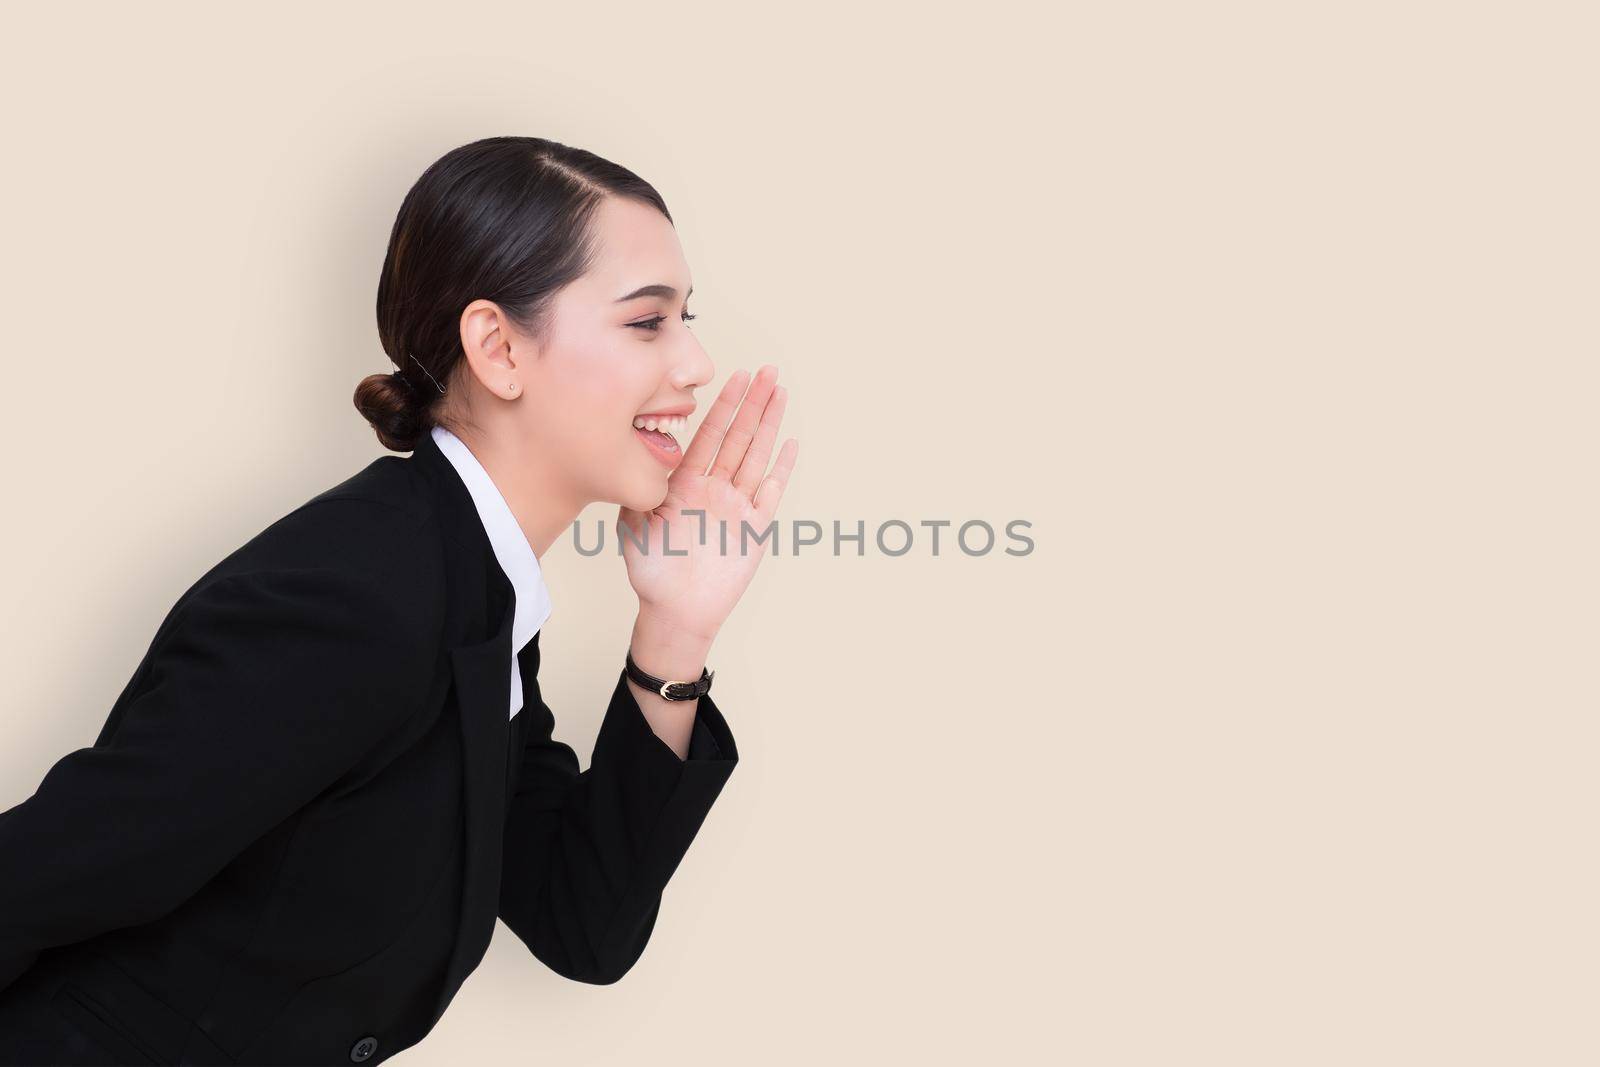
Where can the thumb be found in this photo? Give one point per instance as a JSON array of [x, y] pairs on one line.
[[636, 521]]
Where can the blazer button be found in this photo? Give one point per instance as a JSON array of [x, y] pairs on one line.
[[363, 1049]]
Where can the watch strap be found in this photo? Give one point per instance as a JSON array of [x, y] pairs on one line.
[[667, 689]]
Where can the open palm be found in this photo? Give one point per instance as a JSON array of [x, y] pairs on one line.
[[696, 586]]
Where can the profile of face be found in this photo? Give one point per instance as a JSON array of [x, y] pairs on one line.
[[618, 346]]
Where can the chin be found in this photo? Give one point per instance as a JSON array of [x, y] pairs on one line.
[[641, 482], [644, 495], [651, 501]]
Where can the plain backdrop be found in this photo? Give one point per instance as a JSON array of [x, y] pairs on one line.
[[1275, 322]]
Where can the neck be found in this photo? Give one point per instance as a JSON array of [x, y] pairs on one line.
[[544, 506]]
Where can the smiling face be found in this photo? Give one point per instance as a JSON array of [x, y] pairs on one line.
[[617, 346]]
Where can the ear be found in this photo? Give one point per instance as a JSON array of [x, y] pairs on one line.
[[492, 347]]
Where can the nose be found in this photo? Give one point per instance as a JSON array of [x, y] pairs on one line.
[[693, 366]]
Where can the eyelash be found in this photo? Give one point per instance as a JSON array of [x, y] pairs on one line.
[[654, 325]]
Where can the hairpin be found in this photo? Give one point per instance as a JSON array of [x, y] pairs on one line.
[[431, 378]]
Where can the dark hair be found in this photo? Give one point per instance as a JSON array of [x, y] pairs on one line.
[[504, 219]]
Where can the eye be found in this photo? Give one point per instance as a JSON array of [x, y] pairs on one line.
[[654, 325]]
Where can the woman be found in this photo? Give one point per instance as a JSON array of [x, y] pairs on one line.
[[333, 769]]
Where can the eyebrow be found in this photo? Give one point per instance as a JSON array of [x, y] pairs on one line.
[[654, 290]]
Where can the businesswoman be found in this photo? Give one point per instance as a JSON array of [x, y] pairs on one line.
[[333, 770]]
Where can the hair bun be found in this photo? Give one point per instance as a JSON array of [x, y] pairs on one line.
[[394, 409]]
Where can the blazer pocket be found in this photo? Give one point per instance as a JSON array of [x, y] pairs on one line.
[[388, 994], [97, 1024]]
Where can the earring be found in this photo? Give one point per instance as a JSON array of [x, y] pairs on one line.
[[513, 387]]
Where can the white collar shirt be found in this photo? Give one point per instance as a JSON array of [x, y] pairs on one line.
[[511, 549]]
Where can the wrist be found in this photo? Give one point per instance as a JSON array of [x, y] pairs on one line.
[[669, 651]]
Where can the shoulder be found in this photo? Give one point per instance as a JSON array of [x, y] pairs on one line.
[[341, 654], [374, 534]]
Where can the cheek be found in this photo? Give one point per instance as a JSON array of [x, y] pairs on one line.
[[598, 390]]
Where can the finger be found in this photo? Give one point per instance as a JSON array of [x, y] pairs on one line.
[[738, 436], [703, 445], [772, 486], [755, 459]]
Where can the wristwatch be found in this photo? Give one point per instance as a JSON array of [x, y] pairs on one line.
[[670, 690]]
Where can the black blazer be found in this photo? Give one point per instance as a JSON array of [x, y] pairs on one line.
[[292, 838]]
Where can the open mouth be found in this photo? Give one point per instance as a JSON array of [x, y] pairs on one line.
[[656, 434], [667, 424]]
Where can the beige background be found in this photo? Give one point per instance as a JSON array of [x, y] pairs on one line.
[[1276, 321]]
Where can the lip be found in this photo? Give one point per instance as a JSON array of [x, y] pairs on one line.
[[681, 409], [670, 460]]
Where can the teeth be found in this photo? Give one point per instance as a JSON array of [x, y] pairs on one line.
[[673, 424]]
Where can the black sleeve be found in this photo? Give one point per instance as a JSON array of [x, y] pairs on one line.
[[587, 856], [266, 687]]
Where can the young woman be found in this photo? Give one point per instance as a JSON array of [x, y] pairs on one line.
[[333, 771]]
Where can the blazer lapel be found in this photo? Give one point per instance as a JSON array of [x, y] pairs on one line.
[[483, 689], [482, 597]]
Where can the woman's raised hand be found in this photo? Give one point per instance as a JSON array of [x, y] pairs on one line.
[[694, 588]]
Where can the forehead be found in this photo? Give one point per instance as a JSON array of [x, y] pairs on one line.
[[634, 245]]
